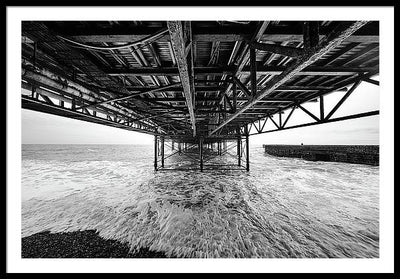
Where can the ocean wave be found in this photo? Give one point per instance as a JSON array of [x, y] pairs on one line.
[[282, 208]]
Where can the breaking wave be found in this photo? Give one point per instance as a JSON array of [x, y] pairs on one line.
[[283, 208]]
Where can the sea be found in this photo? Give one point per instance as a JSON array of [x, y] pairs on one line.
[[281, 208]]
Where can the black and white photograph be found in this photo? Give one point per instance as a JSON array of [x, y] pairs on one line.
[[169, 134]]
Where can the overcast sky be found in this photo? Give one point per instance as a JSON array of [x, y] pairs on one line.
[[40, 128]]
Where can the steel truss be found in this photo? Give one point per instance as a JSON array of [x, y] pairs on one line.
[[57, 94], [259, 124]]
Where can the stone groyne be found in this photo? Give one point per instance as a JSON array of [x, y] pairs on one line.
[[356, 154]]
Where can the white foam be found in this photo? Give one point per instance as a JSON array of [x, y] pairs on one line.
[[283, 208]]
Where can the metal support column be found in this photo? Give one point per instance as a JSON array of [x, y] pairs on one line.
[[180, 147], [155, 152], [239, 155], [162, 152], [247, 150], [33, 92], [201, 154], [321, 108], [173, 145]]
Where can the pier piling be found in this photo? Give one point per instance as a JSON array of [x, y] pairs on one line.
[[162, 152], [239, 143], [155, 152], [247, 149], [201, 154]]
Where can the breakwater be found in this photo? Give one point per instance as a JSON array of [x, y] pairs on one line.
[[356, 154]]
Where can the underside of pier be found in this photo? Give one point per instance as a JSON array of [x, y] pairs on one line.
[[195, 85]]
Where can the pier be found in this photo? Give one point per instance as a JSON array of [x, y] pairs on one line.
[[201, 88]]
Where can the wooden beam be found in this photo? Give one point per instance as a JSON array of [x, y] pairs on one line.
[[214, 53], [198, 88], [361, 53], [205, 34], [257, 110], [278, 49], [311, 71], [310, 34], [229, 70], [339, 53], [185, 64], [114, 54], [124, 98], [253, 72], [214, 99], [300, 88], [299, 38], [255, 38], [201, 88], [334, 39], [244, 55], [153, 52], [209, 37]]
